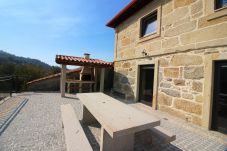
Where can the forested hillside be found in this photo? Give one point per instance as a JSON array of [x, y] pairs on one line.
[[16, 71]]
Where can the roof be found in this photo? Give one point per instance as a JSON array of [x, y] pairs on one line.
[[129, 10], [54, 75], [79, 61]]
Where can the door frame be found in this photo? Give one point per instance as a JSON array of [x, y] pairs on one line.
[[154, 62], [217, 65], [210, 60]]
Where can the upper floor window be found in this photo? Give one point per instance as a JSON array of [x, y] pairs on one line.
[[149, 24], [221, 3]]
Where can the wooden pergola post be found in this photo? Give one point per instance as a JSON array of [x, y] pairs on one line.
[[102, 79], [95, 79], [63, 80]]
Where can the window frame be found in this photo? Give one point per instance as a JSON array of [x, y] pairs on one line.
[[158, 30], [144, 23], [217, 5], [213, 13]]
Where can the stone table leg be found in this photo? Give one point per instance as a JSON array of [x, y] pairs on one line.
[[88, 118], [121, 143]]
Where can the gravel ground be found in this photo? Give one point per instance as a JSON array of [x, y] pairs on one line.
[[38, 127]]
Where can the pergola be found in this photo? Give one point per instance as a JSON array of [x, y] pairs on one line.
[[85, 61]]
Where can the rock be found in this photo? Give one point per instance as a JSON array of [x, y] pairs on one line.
[[171, 92], [171, 72], [193, 72]]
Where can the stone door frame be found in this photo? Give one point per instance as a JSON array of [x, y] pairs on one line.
[[155, 86], [209, 86]]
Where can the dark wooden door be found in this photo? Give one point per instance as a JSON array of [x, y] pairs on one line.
[[219, 116], [146, 84]]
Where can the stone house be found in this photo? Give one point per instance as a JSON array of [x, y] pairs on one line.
[[172, 55]]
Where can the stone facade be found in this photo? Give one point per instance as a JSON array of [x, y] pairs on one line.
[[189, 32]]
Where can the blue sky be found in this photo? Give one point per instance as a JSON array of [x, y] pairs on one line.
[[41, 29]]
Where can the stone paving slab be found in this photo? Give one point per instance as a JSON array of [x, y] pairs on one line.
[[38, 127], [8, 107]]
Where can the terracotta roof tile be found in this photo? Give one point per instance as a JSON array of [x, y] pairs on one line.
[[79, 61], [54, 75]]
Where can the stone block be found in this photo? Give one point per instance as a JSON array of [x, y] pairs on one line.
[[165, 85], [171, 72], [126, 65], [171, 92], [199, 98], [197, 86], [197, 120], [172, 111], [186, 27], [124, 80], [187, 96], [164, 99], [185, 60], [174, 16], [212, 43], [204, 22], [182, 3], [182, 21], [125, 41], [117, 64], [179, 82], [154, 46], [205, 34], [197, 7], [167, 8], [188, 106], [171, 42], [163, 62], [193, 72]]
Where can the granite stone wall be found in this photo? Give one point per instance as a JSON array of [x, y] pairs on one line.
[[188, 33]]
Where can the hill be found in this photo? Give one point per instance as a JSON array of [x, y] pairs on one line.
[[7, 58], [16, 71]]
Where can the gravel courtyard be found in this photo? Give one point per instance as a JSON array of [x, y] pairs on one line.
[[38, 127]]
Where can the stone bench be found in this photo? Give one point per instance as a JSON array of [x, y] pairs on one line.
[[75, 137]]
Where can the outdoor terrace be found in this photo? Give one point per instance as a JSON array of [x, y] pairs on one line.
[[38, 126]]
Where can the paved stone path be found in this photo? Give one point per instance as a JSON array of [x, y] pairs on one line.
[[8, 107], [38, 127]]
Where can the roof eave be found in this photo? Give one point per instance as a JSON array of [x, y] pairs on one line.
[[130, 9]]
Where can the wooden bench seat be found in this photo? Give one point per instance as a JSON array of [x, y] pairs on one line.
[[162, 135], [75, 137]]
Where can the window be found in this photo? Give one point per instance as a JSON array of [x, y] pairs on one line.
[[221, 3], [149, 24]]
